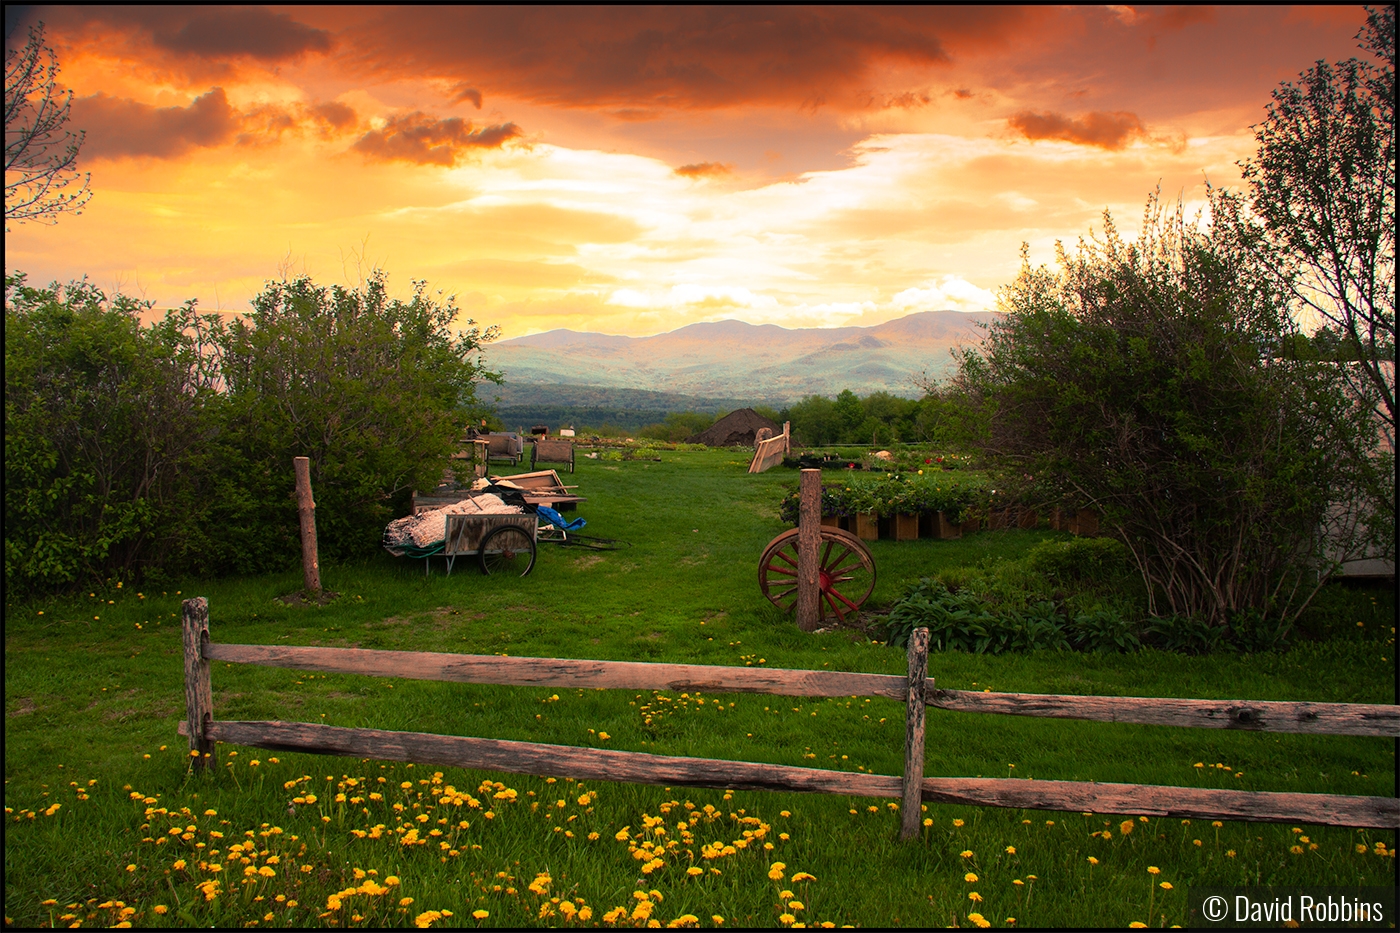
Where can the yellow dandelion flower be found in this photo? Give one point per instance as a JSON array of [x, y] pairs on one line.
[[969, 877], [1125, 827], [1010, 850], [1153, 870], [958, 823], [481, 914], [975, 897]]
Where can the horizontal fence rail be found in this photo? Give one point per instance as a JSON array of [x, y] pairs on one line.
[[1257, 715], [643, 768], [639, 767], [562, 672]]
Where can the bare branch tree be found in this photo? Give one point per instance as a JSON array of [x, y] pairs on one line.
[[1323, 184], [41, 154]]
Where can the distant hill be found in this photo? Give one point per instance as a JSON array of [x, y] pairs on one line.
[[732, 360], [561, 405]]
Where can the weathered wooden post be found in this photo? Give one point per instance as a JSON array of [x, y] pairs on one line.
[[199, 696], [915, 705], [306, 509], [809, 536]]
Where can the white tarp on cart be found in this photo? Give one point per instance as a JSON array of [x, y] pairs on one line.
[[428, 528]]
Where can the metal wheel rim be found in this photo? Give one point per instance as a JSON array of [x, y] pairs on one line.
[[511, 543], [846, 569]]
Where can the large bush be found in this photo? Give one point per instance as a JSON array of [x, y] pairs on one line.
[[1145, 379], [104, 436], [130, 449], [374, 391]]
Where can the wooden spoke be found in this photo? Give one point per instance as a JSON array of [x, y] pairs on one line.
[[846, 574]]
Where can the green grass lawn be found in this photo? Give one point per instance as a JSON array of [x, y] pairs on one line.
[[105, 822]]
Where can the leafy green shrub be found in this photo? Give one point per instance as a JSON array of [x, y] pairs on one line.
[[1104, 630], [962, 622], [1254, 632], [1039, 626], [1184, 635], [1081, 560], [106, 434], [133, 449], [955, 622]]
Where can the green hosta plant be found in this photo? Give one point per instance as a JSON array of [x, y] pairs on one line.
[[956, 622], [1104, 630]]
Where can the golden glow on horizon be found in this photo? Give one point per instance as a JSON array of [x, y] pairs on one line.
[[908, 187]]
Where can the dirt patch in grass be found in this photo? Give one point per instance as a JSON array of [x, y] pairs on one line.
[[302, 598], [23, 707], [590, 560], [866, 625]]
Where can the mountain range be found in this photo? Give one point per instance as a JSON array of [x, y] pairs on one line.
[[734, 359]]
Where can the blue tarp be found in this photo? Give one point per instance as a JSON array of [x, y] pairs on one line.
[[556, 519]]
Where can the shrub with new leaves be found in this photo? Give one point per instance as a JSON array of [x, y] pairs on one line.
[[1144, 378], [132, 449], [374, 391], [105, 432]]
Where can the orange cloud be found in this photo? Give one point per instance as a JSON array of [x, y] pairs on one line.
[[705, 169], [633, 59], [123, 128], [199, 44], [1105, 130], [332, 114], [119, 128], [462, 91], [417, 137]]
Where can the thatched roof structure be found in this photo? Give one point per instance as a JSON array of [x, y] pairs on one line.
[[736, 429]]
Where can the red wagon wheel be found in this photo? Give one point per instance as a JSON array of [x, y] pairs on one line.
[[846, 573]]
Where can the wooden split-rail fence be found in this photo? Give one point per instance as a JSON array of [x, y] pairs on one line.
[[916, 690]]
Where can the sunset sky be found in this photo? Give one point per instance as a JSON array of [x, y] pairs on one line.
[[631, 170]]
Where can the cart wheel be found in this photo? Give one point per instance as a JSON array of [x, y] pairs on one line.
[[846, 573], [509, 549]]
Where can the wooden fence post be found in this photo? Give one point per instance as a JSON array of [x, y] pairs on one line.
[[199, 697], [809, 537], [915, 705], [306, 509]]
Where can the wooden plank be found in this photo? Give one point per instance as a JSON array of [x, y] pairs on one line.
[[768, 454], [946, 529], [906, 527], [809, 538], [868, 526], [641, 768], [199, 694], [1156, 800], [561, 672], [914, 734], [1250, 715], [548, 760]]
